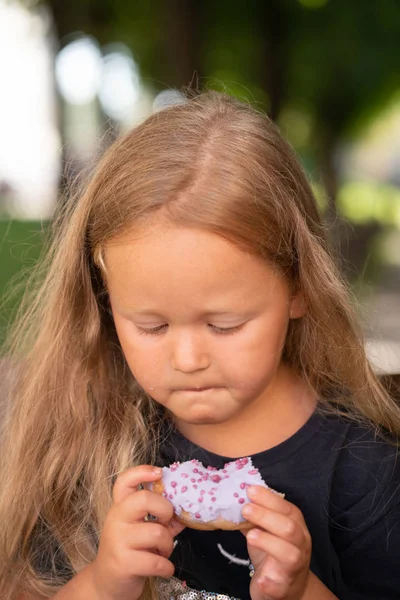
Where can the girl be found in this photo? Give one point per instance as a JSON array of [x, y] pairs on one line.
[[191, 310]]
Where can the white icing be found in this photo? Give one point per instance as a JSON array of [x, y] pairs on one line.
[[213, 493]]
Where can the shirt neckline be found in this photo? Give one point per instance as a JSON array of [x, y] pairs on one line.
[[176, 447]]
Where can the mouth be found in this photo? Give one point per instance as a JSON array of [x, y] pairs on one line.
[[198, 389]]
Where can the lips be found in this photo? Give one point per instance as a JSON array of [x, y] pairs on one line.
[[198, 389]]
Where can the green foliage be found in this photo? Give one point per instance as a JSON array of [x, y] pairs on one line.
[[345, 60], [21, 243]]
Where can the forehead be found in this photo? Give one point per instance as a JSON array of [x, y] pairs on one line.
[[175, 260]]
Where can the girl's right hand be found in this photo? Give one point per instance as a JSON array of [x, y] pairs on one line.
[[132, 549]]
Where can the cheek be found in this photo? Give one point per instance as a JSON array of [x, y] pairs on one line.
[[144, 358], [259, 353]]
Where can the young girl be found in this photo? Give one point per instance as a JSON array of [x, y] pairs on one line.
[[190, 309]]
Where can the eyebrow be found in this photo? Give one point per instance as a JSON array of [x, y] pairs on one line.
[[210, 313]]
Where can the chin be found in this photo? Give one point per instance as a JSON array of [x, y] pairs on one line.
[[203, 418]]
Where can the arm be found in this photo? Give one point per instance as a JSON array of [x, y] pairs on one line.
[[315, 590], [79, 588]]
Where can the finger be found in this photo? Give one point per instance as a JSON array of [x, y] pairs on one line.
[[129, 480], [269, 499], [273, 586], [276, 523], [135, 507], [153, 537], [148, 564], [288, 555], [175, 527]]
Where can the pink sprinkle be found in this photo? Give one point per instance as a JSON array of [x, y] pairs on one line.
[[190, 505], [195, 470], [203, 492], [216, 478], [195, 487], [185, 475], [236, 495], [184, 489], [213, 499], [198, 516], [253, 472], [200, 480], [210, 492], [241, 500], [212, 468], [173, 484], [171, 496], [242, 486], [192, 480], [200, 499]]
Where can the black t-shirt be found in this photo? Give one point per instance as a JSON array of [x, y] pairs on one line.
[[346, 482]]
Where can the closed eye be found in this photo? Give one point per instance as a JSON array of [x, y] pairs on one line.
[[160, 328], [152, 331], [225, 330]]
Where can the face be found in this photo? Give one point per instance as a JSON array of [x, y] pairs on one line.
[[202, 323]]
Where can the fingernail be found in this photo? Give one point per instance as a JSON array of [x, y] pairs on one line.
[[253, 534], [157, 471], [247, 510], [252, 491]]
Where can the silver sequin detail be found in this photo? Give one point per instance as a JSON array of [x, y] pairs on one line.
[[175, 589]]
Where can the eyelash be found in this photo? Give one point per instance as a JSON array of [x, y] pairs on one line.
[[219, 330]]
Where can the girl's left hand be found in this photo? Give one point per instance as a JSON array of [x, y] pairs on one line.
[[279, 546]]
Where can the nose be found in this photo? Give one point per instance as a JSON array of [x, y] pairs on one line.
[[188, 353]]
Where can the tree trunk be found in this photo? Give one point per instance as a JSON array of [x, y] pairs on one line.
[[329, 175], [183, 42], [337, 230], [273, 23]]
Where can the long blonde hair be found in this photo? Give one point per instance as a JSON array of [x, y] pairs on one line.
[[76, 417]]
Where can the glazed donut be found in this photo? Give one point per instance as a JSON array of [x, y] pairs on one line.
[[207, 498]]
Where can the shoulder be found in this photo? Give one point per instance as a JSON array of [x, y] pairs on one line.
[[363, 449], [365, 478]]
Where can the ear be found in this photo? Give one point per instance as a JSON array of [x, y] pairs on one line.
[[298, 306]]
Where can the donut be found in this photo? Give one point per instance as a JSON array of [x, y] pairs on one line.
[[207, 498]]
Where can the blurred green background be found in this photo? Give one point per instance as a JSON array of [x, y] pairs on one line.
[[74, 75]]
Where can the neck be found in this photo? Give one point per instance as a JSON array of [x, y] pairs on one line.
[[284, 407]]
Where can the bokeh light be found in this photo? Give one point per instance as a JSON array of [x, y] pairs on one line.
[[78, 70], [168, 98], [120, 83]]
